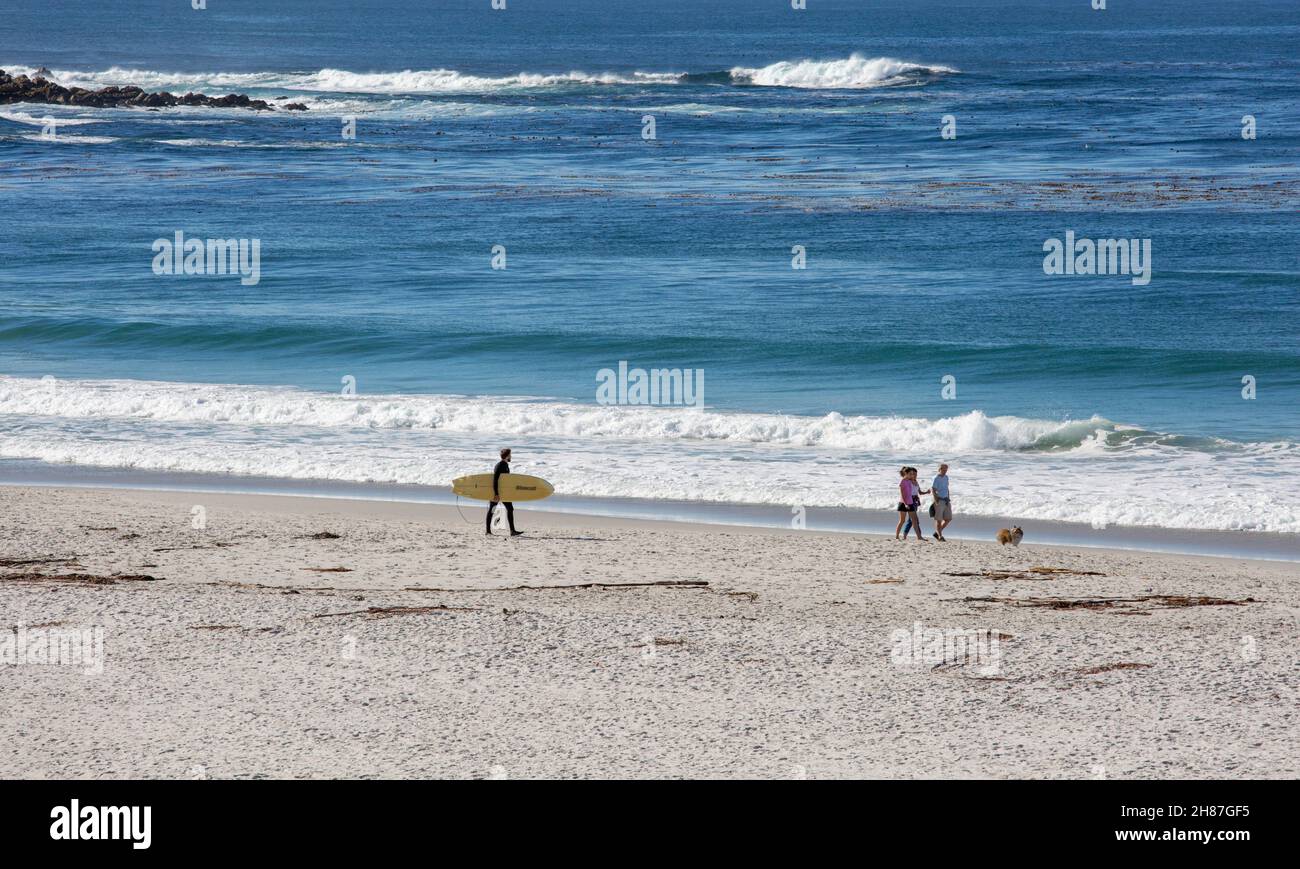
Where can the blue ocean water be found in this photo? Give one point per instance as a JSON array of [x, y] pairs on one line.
[[1076, 396]]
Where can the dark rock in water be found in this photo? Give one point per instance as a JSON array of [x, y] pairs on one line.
[[38, 89], [294, 107], [43, 73]]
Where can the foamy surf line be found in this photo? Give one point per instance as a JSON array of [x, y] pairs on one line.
[[854, 73], [1092, 471]]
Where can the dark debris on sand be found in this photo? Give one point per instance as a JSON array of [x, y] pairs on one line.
[[1118, 605], [76, 578]]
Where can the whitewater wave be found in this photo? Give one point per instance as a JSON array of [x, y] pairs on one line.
[[239, 143], [854, 72], [59, 121], [428, 81], [1092, 471], [69, 139], [251, 405]]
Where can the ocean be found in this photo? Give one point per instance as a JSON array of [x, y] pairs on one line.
[[836, 219]]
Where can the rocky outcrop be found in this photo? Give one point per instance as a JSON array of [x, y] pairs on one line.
[[21, 89]]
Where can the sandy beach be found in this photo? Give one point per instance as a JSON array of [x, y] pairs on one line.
[[411, 645]]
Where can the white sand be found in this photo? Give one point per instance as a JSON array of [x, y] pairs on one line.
[[235, 664]]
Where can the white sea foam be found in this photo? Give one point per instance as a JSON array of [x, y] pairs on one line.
[[426, 81], [200, 403], [855, 71], [58, 119], [1002, 466], [70, 139], [239, 143], [851, 72], [441, 81]]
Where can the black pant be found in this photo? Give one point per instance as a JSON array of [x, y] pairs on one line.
[[510, 514]]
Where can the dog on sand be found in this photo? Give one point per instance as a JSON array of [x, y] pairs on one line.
[[1010, 535]]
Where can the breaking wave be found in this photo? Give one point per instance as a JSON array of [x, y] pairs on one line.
[[850, 73], [1090, 470], [854, 72], [269, 406]]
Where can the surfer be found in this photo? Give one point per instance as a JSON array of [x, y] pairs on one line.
[[503, 467]]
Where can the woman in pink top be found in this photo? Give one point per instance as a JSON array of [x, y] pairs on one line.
[[906, 492], [909, 497]]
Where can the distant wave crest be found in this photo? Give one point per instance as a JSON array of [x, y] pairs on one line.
[[59, 121], [854, 72]]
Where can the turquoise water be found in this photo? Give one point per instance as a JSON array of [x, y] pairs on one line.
[[1077, 397]]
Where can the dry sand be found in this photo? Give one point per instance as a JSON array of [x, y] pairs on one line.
[[250, 656]]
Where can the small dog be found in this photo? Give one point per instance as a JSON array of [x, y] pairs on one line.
[[1012, 535]]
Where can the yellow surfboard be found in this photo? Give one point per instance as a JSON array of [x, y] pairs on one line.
[[513, 487]]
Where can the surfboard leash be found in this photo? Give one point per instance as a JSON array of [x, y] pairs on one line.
[[462, 514], [458, 510]]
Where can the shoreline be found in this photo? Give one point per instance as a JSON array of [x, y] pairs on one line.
[[1254, 545], [470, 514]]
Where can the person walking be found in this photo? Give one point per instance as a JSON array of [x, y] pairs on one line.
[[909, 498], [503, 467], [941, 508], [916, 501]]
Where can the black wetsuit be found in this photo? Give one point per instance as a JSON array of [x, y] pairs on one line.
[[503, 467]]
